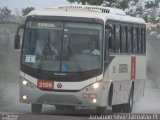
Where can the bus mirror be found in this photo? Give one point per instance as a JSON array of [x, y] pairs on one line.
[[17, 42], [18, 37]]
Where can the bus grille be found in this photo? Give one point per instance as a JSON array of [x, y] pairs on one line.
[[58, 99]]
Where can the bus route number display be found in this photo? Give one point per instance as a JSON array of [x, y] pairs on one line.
[[45, 84], [45, 24]]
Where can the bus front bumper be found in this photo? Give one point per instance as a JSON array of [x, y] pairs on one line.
[[87, 96]]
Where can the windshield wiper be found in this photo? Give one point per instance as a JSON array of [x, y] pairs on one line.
[[75, 60], [44, 54]]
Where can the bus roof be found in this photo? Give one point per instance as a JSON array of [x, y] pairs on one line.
[[87, 11]]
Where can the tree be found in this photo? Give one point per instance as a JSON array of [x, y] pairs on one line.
[[27, 10], [152, 10], [152, 4], [4, 13], [122, 4], [138, 8]]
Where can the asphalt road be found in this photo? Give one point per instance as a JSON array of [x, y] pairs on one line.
[[9, 96]]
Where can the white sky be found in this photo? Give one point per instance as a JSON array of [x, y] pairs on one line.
[[38, 4]]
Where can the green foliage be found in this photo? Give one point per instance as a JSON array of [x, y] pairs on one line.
[[95, 2], [152, 10], [138, 8], [123, 4], [4, 13], [152, 4], [27, 10]]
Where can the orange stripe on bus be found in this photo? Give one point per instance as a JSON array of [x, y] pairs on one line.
[[133, 68]]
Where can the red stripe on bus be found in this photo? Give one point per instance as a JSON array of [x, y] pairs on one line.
[[133, 68]]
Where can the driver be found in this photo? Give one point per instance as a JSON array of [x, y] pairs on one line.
[[92, 48]]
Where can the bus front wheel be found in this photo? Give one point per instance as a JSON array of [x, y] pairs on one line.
[[36, 108]]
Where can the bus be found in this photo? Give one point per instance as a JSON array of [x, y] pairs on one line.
[[55, 70]]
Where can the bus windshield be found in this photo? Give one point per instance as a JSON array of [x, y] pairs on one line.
[[62, 46]]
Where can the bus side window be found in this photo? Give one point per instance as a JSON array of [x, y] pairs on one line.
[[111, 42], [144, 40], [139, 41], [143, 45], [126, 31], [129, 40], [117, 38], [134, 40], [123, 39]]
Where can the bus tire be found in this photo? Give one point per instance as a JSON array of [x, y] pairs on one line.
[[36, 108], [110, 95], [101, 110], [117, 108], [127, 108]]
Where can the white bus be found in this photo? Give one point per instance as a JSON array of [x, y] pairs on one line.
[[55, 70]]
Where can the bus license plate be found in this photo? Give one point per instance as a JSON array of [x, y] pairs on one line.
[[45, 84]]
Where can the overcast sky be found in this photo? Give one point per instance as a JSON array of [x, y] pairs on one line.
[[38, 4]]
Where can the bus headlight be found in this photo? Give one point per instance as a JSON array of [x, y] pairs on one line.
[[24, 97], [95, 85], [94, 100], [27, 83], [24, 82]]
